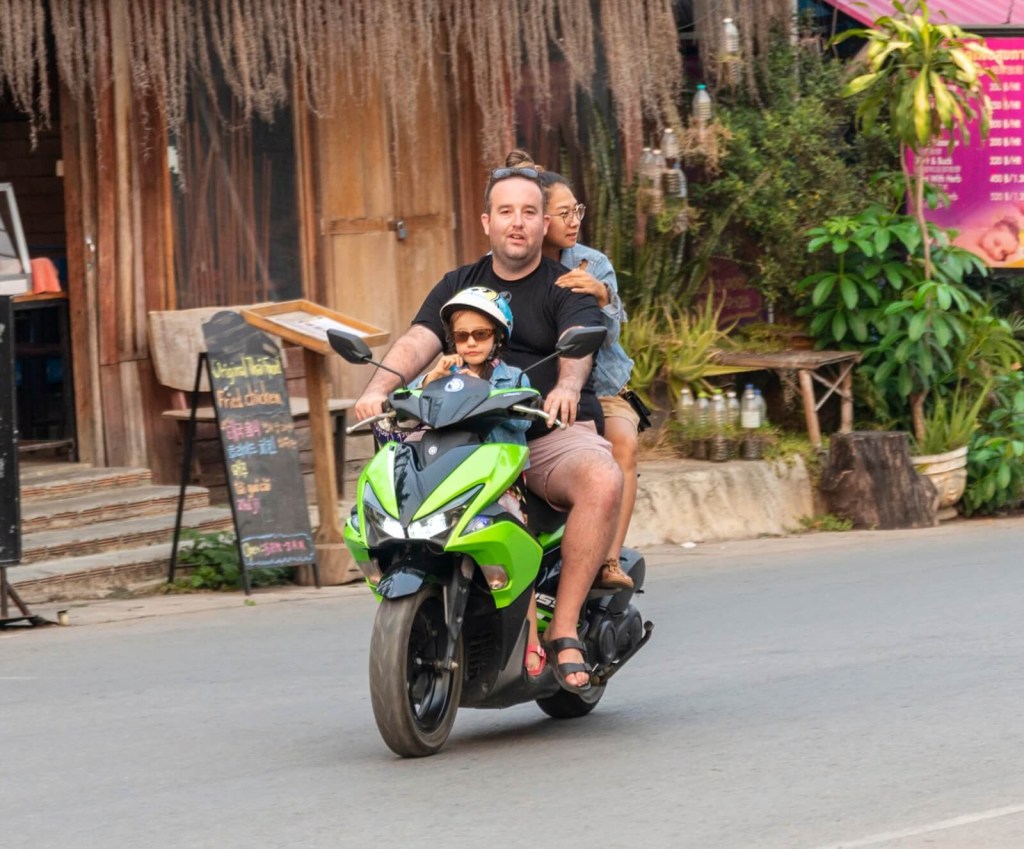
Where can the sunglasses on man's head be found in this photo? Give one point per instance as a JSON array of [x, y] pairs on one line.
[[481, 335], [504, 173]]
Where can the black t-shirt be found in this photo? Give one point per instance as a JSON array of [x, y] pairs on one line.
[[541, 312]]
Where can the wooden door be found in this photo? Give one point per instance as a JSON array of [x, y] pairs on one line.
[[386, 214]]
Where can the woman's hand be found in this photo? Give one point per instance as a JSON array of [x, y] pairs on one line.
[[580, 281], [443, 367]]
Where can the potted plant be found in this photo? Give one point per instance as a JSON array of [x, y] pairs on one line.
[[942, 453]]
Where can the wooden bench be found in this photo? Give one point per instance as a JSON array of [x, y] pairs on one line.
[[176, 340]]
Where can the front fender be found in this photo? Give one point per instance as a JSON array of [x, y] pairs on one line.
[[403, 581]]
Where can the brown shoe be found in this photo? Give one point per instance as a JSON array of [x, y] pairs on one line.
[[611, 577]]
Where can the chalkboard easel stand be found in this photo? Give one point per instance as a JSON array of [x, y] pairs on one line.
[[202, 363], [186, 464]]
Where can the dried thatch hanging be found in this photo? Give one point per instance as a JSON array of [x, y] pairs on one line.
[[258, 45], [23, 59]]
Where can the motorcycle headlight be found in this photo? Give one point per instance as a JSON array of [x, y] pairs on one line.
[[379, 524], [439, 524]]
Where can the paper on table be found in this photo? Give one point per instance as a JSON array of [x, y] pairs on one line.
[[312, 325]]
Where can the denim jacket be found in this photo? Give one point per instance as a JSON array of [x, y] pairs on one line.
[[612, 365], [503, 376]]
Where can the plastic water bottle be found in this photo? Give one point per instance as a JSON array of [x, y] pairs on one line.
[[750, 409], [681, 177], [732, 406], [719, 412], [685, 407], [646, 168], [701, 419], [762, 406], [731, 40], [751, 447], [670, 147], [702, 105]]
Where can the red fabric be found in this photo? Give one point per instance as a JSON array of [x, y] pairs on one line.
[[44, 276]]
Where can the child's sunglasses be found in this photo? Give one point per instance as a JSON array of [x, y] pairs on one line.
[[481, 335]]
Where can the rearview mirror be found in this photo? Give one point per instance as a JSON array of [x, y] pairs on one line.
[[580, 342], [351, 348]]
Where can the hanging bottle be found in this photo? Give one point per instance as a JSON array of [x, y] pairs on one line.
[[731, 39], [644, 169], [670, 147], [679, 180], [702, 105]]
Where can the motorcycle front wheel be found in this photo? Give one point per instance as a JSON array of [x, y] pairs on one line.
[[414, 699]]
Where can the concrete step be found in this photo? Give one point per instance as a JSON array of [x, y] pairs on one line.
[[105, 536], [106, 505], [48, 481], [100, 575]]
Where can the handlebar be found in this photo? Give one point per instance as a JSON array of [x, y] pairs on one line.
[[390, 414], [537, 413]]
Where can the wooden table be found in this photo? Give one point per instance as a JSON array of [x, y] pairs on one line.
[[832, 369]]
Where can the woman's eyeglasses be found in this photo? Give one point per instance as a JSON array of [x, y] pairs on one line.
[[481, 335], [567, 214]]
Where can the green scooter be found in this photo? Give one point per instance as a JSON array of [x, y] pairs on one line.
[[453, 570]]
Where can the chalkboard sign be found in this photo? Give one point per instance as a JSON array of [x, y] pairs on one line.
[[10, 486], [261, 452]]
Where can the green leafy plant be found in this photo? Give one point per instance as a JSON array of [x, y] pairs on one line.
[[927, 81], [825, 522], [789, 163], [995, 457], [952, 423], [878, 299], [214, 561], [642, 337]]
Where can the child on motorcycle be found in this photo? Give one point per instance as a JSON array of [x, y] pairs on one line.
[[478, 324]]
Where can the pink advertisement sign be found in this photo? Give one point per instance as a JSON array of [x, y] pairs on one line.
[[985, 180]]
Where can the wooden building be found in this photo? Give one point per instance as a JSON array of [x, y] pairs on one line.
[[159, 178]]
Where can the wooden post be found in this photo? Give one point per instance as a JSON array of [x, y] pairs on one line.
[[846, 401], [810, 409], [332, 557]]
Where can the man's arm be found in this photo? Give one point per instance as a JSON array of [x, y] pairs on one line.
[[412, 352], [563, 401]]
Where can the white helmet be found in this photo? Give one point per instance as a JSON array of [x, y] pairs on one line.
[[482, 300]]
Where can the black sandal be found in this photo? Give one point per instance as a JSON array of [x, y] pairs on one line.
[[561, 670]]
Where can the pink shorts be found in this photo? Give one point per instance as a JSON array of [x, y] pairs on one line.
[[548, 451]]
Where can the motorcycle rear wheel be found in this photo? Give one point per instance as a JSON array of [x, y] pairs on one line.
[[414, 700], [567, 705]]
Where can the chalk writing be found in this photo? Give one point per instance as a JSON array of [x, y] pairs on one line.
[[261, 450]]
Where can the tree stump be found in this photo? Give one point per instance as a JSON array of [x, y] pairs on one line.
[[871, 481]]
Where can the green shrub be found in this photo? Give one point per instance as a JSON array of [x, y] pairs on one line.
[[214, 561]]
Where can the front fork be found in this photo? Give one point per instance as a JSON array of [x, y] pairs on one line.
[[456, 597]]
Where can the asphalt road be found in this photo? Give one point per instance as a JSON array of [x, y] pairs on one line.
[[814, 692]]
